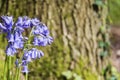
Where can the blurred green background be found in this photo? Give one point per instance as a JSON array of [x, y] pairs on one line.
[[114, 7], [80, 50]]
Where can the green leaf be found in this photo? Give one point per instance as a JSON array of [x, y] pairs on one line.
[[107, 44], [113, 77], [103, 28], [67, 74], [99, 2], [104, 53], [114, 70], [101, 44], [78, 78]]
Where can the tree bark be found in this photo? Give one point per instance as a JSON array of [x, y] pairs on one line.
[[76, 28]]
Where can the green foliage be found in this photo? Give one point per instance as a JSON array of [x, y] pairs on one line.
[[114, 7], [102, 44], [84, 71], [99, 2], [3, 43], [115, 74], [104, 54], [90, 76], [105, 46], [71, 75], [113, 78], [68, 74], [102, 29]]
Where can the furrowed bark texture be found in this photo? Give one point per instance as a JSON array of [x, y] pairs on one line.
[[75, 26]]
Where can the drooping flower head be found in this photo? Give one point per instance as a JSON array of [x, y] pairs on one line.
[[35, 22], [41, 29], [23, 23], [7, 24], [41, 35], [42, 41], [32, 54], [25, 69], [10, 50], [16, 40]]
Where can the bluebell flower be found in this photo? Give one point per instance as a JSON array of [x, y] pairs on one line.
[[24, 62], [2, 27], [49, 40], [19, 44], [40, 54], [7, 23], [41, 29], [32, 54], [42, 41], [25, 69], [23, 22], [36, 31], [26, 56], [10, 50], [35, 22], [18, 34], [26, 22], [10, 37], [16, 40], [35, 53], [19, 22], [28, 59], [45, 31], [36, 41], [17, 63]]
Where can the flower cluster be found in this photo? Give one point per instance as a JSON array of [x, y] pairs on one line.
[[29, 56], [17, 41]]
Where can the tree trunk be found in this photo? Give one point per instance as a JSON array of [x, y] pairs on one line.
[[77, 27]]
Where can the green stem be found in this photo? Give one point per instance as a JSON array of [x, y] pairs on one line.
[[30, 35], [26, 76], [28, 42], [4, 74], [19, 69], [13, 71], [16, 75], [9, 68]]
